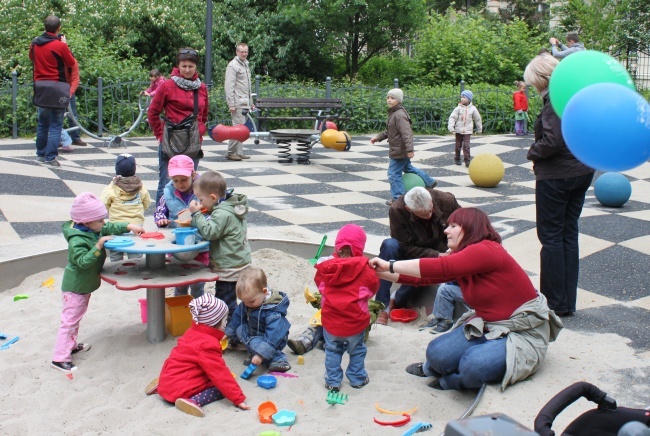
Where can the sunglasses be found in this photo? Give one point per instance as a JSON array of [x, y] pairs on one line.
[[189, 52]]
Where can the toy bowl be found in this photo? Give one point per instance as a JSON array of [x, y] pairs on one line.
[[266, 410], [183, 223], [267, 381], [284, 417], [403, 315]]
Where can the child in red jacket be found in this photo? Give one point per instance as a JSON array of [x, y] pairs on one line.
[[346, 283], [195, 374], [520, 104]]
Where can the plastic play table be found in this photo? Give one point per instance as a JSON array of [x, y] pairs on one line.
[[156, 272]]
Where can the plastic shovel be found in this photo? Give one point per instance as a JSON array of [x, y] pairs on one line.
[[313, 261]]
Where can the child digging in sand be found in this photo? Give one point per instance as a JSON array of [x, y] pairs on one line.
[[195, 373]]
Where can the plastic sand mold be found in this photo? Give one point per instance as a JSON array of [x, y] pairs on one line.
[[265, 411], [309, 297], [403, 315], [224, 343], [315, 320], [336, 398], [284, 418], [9, 342], [48, 283], [152, 235], [119, 242], [248, 371], [20, 297], [395, 412], [400, 422], [267, 381], [418, 427]]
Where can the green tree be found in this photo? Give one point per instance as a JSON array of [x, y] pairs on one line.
[[594, 21], [529, 12]]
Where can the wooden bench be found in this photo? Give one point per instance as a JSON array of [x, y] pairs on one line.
[[321, 109]]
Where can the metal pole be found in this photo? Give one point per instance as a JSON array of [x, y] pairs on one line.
[[100, 106], [328, 87], [208, 44], [257, 84], [395, 83], [14, 103], [462, 85]]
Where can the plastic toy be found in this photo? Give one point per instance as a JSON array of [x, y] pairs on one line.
[[152, 235], [3, 336], [301, 360], [185, 235], [48, 283], [284, 418], [406, 418], [336, 398], [224, 343], [393, 412], [309, 297], [267, 381], [119, 242], [248, 371], [20, 297], [313, 261], [403, 315], [8, 343], [265, 411], [316, 319], [283, 374], [411, 180], [270, 433], [417, 428]]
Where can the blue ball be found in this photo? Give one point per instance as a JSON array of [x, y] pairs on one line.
[[607, 127], [612, 189]]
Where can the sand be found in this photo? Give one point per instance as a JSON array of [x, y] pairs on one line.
[[106, 394]]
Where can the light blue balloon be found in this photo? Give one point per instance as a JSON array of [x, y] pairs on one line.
[[607, 127]]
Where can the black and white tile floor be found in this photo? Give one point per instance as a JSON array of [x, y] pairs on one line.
[[303, 202]]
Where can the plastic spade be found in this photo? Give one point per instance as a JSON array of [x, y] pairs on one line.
[[313, 261]]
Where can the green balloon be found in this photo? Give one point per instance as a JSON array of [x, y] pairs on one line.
[[411, 180], [582, 69]]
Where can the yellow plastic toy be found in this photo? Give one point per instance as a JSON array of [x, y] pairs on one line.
[[48, 283], [309, 297], [486, 170], [315, 320]]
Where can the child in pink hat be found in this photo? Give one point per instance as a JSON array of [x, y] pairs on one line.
[[86, 234]]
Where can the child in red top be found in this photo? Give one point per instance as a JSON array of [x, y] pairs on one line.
[[156, 79], [346, 283], [520, 104], [195, 374]]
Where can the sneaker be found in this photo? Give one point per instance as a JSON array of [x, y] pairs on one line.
[[280, 366], [389, 202], [66, 367], [416, 369], [248, 361], [467, 161], [232, 156], [80, 347], [297, 346], [334, 389], [67, 148], [436, 385], [40, 159], [80, 142], [432, 323], [365, 382], [443, 326], [382, 319], [433, 185], [244, 156], [152, 387], [189, 407], [52, 163], [457, 161]]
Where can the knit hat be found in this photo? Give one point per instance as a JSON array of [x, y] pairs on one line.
[[353, 236], [180, 165], [87, 208], [468, 95], [208, 309], [125, 165], [397, 94]]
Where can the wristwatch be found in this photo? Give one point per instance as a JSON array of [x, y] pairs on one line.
[[390, 266]]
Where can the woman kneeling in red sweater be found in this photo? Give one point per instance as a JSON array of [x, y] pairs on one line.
[[505, 337]]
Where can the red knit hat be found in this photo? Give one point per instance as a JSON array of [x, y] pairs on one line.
[[87, 208], [353, 236]]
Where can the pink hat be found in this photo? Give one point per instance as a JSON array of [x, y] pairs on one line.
[[87, 208], [180, 165], [353, 236], [208, 309]]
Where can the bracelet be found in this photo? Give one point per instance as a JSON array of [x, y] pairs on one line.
[[390, 266]]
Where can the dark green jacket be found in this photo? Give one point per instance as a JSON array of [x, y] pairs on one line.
[[85, 261]]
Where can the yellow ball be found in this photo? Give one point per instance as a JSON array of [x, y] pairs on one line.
[[486, 170]]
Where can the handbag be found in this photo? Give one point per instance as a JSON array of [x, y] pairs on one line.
[[183, 137], [51, 94]]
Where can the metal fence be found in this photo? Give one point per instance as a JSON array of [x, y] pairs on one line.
[[109, 109]]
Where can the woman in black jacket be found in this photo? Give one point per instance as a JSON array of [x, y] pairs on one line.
[[560, 187]]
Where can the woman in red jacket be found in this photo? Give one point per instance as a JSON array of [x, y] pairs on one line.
[[175, 98], [520, 105], [505, 337]]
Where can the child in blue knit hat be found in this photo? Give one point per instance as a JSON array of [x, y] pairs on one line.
[[461, 122]]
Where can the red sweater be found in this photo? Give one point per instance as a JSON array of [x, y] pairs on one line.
[[520, 101], [196, 364], [346, 285], [177, 104], [52, 59], [491, 281]]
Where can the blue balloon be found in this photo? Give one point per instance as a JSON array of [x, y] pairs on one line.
[[612, 189], [607, 127]]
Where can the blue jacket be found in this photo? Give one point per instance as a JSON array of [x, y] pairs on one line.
[[175, 203], [267, 322]]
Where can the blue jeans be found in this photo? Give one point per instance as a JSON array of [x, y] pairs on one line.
[[226, 291], [196, 290], [390, 249], [448, 294], [74, 134], [335, 346], [396, 168], [48, 132], [559, 204], [163, 174], [260, 346], [463, 364]]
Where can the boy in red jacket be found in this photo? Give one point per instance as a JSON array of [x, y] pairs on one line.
[[346, 283], [195, 374]]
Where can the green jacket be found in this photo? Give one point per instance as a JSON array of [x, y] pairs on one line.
[[226, 230], [85, 261]]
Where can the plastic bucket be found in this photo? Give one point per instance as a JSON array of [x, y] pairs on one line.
[[143, 309], [185, 235]]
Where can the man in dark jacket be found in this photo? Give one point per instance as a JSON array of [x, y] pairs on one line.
[[52, 61], [417, 223]]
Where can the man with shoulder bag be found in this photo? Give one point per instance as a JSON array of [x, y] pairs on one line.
[[56, 77]]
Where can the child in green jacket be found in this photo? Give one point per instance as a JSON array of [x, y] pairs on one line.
[[86, 235]]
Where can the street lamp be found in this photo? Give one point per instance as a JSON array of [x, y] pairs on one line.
[[208, 44]]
